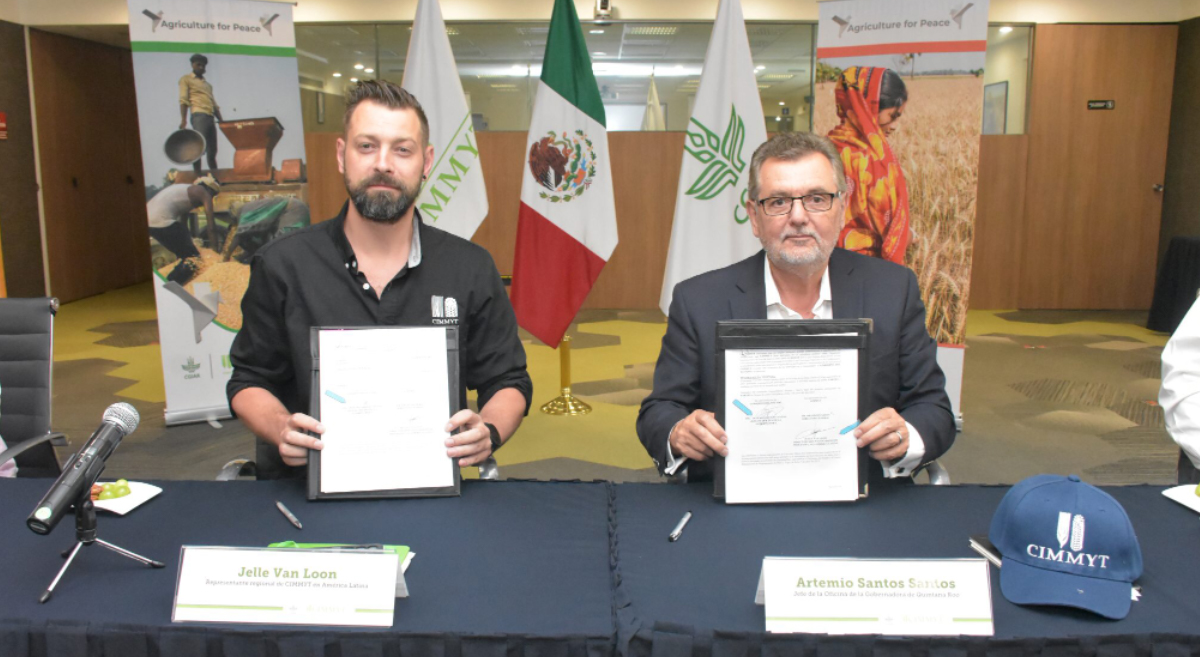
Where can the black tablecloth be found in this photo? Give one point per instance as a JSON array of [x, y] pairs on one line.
[[561, 570], [507, 567], [1176, 286], [696, 596]]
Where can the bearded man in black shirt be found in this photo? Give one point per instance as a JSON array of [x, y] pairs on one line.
[[377, 263]]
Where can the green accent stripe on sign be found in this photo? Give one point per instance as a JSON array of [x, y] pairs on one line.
[[972, 620], [820, 618], [239, 607], [449, 145], [372, 611], [567, 68], [212, 48]]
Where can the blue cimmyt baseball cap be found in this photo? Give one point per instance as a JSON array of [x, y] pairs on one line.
[[1066, 542]]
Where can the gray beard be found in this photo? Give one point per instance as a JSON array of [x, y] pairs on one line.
[[382, 207], [784, 259]]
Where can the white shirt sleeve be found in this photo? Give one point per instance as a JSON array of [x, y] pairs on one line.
[[673, 462], [916, 452], [1180, 394]]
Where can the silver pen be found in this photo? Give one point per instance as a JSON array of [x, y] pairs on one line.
[[678, 531], [289, 515]]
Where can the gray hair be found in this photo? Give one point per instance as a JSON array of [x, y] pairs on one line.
[[792, 146]]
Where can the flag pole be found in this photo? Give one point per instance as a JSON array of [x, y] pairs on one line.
[[565, 403]]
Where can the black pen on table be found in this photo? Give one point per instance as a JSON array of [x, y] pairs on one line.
[[288, 514], [678, 531]]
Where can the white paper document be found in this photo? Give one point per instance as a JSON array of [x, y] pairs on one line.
[[785, 413], [906, 597], [384, 402], [285, 586]]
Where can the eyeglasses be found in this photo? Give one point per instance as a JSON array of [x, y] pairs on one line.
[[781, 205]]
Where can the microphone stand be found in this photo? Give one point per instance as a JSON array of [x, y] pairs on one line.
[[85, 534]]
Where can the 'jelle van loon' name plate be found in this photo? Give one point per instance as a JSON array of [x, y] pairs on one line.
[[285, 587]]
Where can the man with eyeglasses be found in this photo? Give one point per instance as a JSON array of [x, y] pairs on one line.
[[797, 197]]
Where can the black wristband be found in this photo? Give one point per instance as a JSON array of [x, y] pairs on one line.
[[495, 433]]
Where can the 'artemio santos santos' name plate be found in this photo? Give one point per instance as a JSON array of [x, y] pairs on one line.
[[877, 596]]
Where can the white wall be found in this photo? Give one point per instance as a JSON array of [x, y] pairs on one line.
[[101, 12], [1008, 61]]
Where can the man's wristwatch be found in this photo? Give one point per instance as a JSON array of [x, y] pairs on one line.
[[495, 433]]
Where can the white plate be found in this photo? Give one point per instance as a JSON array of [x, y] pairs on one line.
[[139, 494], [1185, 495]]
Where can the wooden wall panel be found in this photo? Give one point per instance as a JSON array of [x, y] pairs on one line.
[[326, 187], [502, 156], [19, 221], [1090, 237], [645, 179], [645, 176], [996, 264], [1182, 195], [91, 162]]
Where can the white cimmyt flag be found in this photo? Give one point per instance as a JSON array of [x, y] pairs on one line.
[[454, 197], [711, 228], [653, 118]]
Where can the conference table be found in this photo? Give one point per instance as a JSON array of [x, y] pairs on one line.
[[562, 569]]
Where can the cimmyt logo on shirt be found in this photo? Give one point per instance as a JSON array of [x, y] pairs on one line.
[[444, 309]]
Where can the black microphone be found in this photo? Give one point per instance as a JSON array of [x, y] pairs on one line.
[[83, 469]]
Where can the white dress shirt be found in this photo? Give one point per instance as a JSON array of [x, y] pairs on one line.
[[823, 309], [1180, 394]]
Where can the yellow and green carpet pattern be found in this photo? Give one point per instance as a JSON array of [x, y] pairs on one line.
[[1064, 392]]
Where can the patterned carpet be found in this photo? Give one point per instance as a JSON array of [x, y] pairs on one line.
[[1061, 392]]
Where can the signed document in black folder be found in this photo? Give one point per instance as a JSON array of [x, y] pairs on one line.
[[786, 414], [383, 400]]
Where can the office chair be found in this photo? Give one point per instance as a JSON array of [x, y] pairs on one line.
[[26, 385], [938, 474]]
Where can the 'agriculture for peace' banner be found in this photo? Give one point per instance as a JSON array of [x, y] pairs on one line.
[[223, 152], [899, 91]]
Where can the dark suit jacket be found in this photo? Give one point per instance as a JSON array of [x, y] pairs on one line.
[[904, 370]]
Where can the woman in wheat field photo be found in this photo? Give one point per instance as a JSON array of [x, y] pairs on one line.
[[870, 102]]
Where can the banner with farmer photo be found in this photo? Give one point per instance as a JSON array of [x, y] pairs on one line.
[[900, 92], [223, 152]]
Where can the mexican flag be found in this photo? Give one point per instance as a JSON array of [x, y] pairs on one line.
[[711, 227], [454, 197], [567, 227]]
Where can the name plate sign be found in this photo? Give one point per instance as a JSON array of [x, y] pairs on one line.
[[910, 597], [285, 586]]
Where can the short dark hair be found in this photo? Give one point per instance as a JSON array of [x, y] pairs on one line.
[[388, 94], [792, 146], [199, 58], [892, 90]]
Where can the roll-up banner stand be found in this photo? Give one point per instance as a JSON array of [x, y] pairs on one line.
[[223, 152], [899, 89]]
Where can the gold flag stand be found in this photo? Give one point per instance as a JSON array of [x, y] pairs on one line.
[[566, 403]]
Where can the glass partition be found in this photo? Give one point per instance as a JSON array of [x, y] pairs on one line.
[[499, 63]]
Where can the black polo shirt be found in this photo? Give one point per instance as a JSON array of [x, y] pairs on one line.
[[311, 278]]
